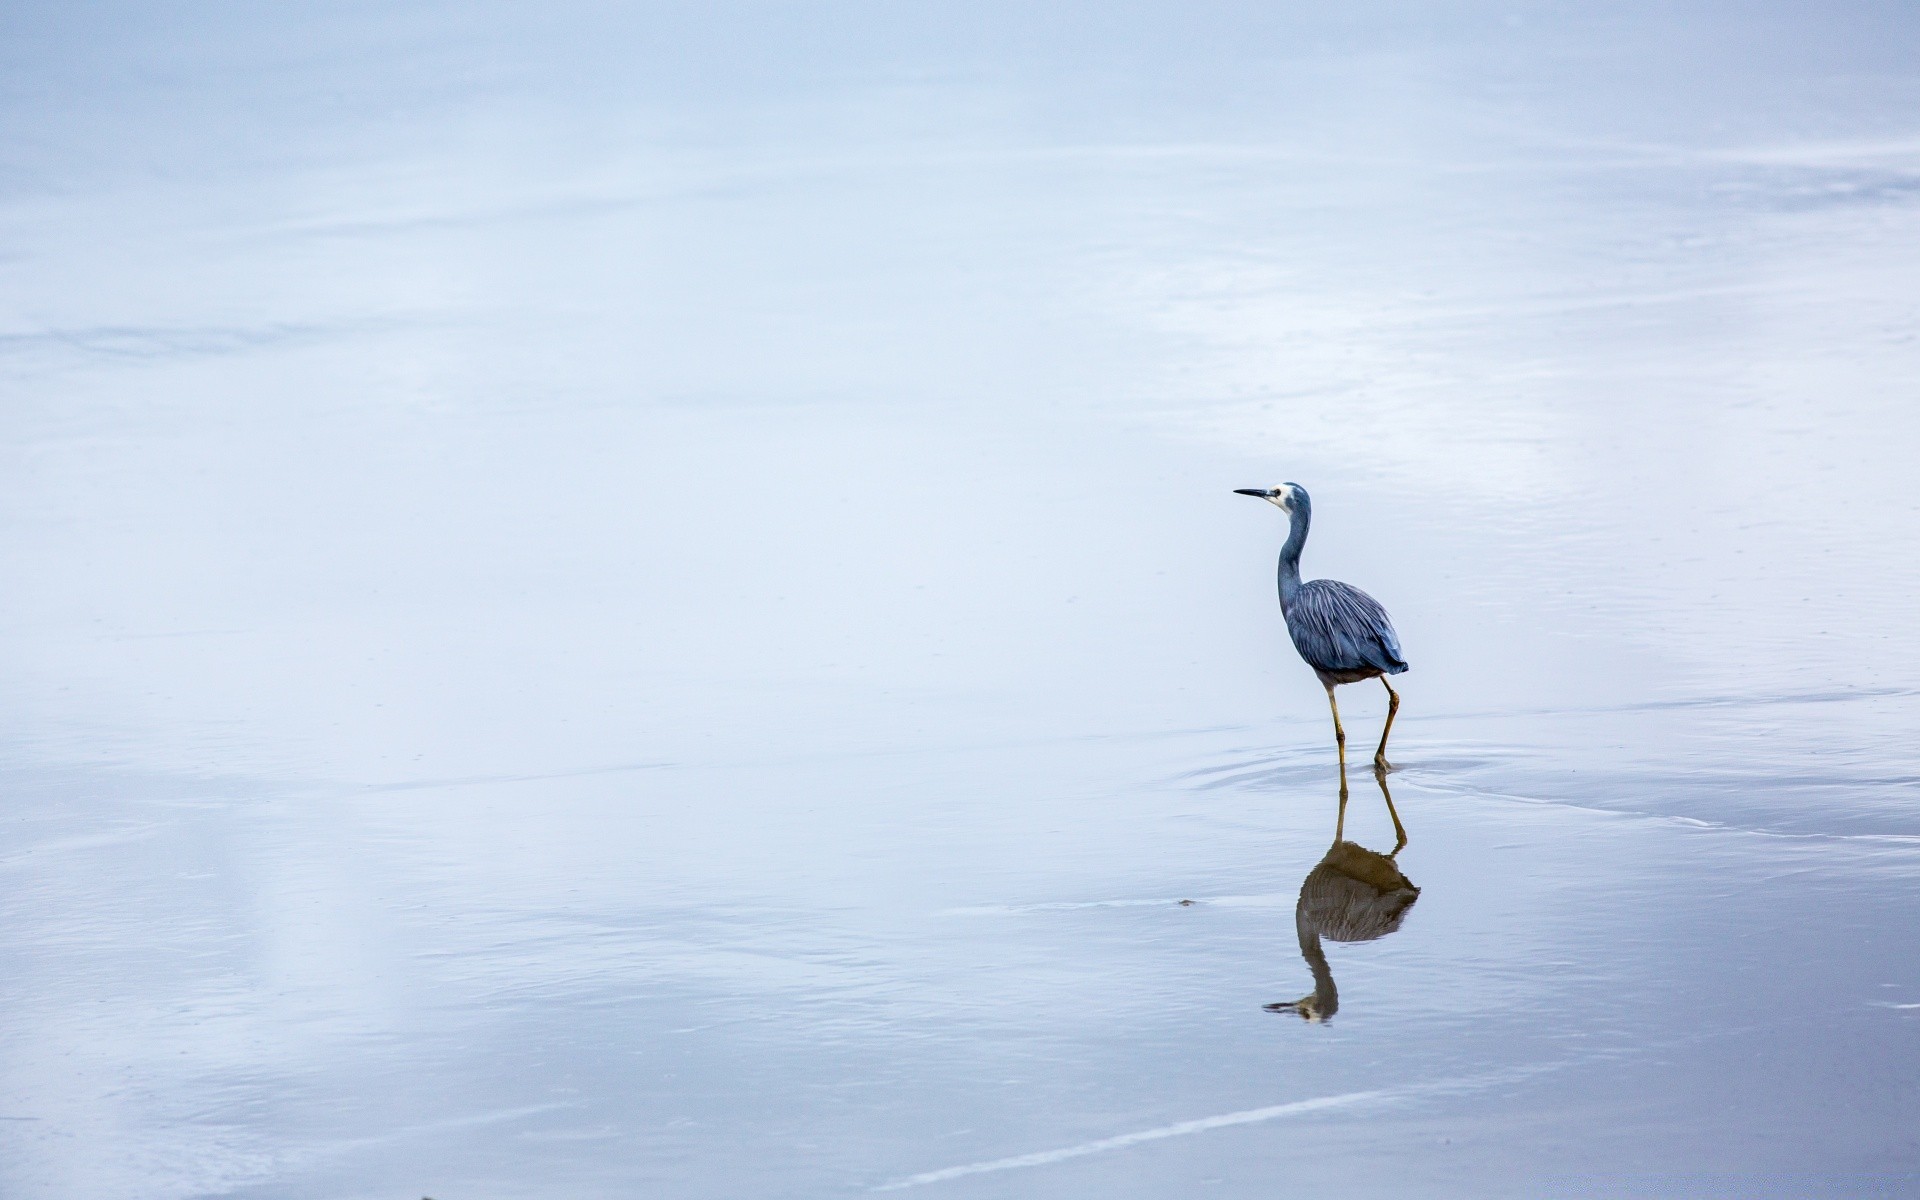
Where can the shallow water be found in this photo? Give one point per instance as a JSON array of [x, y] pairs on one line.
[[650, 604]]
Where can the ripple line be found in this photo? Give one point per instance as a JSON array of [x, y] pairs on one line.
[[1180, 1129]]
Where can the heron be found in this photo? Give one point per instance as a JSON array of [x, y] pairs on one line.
[[1342, 632]]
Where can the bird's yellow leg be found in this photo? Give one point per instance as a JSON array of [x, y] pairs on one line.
[[1339, 733], [1399, 830], [1393, 706]]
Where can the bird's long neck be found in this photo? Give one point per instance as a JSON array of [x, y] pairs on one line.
[[1290, 554]]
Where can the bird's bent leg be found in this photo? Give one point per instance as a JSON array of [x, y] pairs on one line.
[[1339, 733], [1399, 830], [1393, 706]]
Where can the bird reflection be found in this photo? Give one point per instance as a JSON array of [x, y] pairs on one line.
[[1353, 895]]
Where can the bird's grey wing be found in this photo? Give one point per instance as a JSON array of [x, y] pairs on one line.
[[1338, 627]]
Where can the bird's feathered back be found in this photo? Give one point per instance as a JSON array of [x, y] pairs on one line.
[[1337, 627]]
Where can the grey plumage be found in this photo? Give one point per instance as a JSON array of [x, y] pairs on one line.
[[1342, 633]]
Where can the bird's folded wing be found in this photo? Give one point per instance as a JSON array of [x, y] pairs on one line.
[[1338, 627]]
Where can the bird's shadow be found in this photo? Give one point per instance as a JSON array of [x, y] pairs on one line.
[[1352, 895]]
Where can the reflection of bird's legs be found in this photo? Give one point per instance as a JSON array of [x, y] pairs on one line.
[[1393, 706], [1399, 830], [1340, 823], [1339, 734]]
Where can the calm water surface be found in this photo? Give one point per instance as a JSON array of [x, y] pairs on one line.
[[648, 602]]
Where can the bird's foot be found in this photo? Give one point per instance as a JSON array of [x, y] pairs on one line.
[[1381, 766]]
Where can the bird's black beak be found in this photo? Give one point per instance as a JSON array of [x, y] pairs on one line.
[[1263, 493]]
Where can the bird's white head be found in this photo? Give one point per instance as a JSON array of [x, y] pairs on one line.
[[1285, 497]]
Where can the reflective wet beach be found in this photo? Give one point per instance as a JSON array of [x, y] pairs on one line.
[[652, 605]]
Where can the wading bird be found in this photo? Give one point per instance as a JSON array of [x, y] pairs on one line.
[[1342, 632]]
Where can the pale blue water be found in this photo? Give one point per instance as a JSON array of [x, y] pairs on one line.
[[649, 603]]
